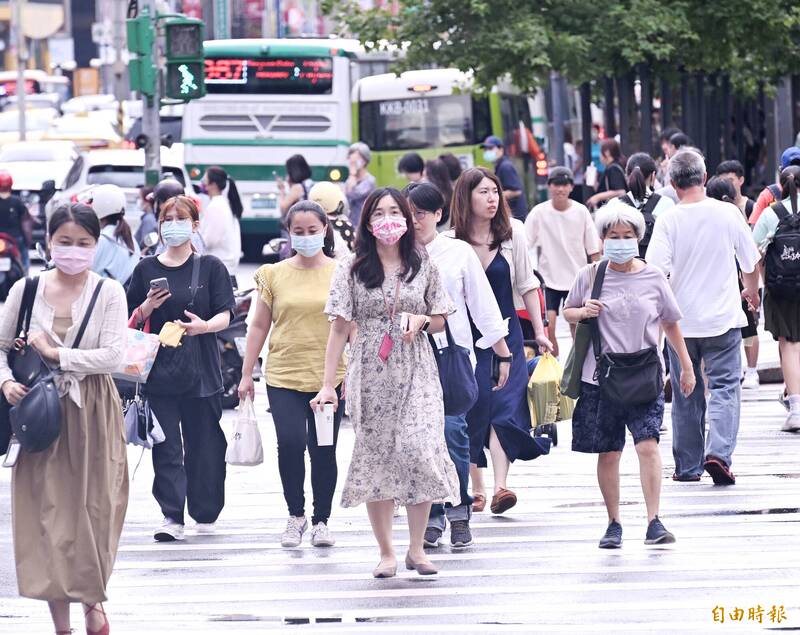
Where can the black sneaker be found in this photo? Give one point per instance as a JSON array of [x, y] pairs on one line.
[[460, 535], [432, 537], [613, 536], [657, 534]]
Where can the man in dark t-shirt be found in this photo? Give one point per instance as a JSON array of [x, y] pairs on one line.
[[494, 152], [12, 211]]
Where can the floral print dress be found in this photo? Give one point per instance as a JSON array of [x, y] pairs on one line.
[[396, 406]]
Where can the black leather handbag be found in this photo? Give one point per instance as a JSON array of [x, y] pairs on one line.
[[626, 378], [459, 386], [36, 419], [177, 369]]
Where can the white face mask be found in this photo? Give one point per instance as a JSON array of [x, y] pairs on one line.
[[308, 246]]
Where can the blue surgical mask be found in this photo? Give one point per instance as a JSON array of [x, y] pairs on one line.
[[620, 250], [490, 156], [308, 246], [176, 232]]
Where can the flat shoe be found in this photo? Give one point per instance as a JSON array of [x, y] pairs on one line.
[[685, 479], [504, 500], [423, 568], [478, 502], [385, 571], [719, 471]]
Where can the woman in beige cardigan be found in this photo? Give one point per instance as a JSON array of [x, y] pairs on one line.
[[69, 501]]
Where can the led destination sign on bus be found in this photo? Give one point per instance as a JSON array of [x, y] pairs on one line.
[[302, 75]]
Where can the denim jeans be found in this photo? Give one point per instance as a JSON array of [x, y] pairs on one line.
[[455, 433], [721, 356]]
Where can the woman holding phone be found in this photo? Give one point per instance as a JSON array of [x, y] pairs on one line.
[[393, 390], [291, 303], [500, 420], [195, 293]]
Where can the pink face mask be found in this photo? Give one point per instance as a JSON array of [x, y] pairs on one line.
[[72, 260], [389, 229]]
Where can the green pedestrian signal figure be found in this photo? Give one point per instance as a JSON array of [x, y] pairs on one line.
[[187, 80]]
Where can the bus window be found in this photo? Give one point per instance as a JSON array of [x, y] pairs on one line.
[[272, 76], [513, 111], [421, 122]]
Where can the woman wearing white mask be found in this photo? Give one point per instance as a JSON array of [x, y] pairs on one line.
[[185, 385], [635, 304], [69, 501], [291, 303]]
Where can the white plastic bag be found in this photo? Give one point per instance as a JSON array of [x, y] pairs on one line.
[[244, 447]]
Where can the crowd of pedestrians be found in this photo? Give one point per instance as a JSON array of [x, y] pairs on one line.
[[376, 288]]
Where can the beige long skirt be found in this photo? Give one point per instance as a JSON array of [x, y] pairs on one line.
[[69, 502]]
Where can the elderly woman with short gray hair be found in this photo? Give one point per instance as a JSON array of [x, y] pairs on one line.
[[633, 305]]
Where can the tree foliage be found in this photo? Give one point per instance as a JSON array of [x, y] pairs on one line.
[[752, 41]]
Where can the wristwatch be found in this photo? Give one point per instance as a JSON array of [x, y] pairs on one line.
[[505, 360], [427, 324]]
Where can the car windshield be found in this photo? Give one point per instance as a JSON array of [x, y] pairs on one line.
[[127, 176]]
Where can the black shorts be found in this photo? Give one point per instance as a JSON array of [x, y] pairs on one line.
[[554, 298], [598, 425]]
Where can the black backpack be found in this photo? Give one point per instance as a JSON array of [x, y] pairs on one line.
[[649, 220], [782, 260]]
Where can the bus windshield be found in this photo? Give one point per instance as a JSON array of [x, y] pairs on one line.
[[424, 122], [269, 76]]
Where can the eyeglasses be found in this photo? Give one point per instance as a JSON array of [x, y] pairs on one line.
[[420, 214]]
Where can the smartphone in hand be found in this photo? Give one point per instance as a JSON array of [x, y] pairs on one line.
[[495, 370], [404, 322], [161, 284]]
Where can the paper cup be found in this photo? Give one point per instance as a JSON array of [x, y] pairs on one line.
[[323, 420]]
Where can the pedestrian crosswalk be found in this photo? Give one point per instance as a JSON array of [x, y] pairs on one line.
[[535, 570]]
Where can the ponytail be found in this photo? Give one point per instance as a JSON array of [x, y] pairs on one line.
[[122, 231], [234, 200], [640, 167], [790, 185]]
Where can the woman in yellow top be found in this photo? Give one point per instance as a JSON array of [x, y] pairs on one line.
[[292, 296]]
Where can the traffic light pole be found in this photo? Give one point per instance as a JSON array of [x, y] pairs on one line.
[[151, 122]]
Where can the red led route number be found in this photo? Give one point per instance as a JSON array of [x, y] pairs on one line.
[[254, 71]]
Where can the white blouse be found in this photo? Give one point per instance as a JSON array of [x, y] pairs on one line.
[[103, 344]]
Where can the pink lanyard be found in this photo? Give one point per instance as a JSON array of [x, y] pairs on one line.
[[391, 312]]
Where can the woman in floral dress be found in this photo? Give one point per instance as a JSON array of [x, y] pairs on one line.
[[393, 390]]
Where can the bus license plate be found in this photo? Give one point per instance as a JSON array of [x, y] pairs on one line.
[[5, 264]]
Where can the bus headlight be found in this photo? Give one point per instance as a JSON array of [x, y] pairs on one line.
[[195, 172], [335, 174]]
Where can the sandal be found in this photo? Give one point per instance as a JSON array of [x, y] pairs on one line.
[[504, 500], [104, 630], [478, 502]]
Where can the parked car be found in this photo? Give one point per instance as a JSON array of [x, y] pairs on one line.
[[38, 169], [124, 168]]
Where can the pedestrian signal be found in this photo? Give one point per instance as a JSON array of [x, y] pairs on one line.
[[185, 61]]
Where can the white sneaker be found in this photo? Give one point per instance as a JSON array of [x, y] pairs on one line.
[[169, 531], [784, 399], [205, 528], [751, 380], [321, 536], [792, 423], [295, 528]]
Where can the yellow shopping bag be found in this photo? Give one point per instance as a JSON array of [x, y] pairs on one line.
[[545, 401]]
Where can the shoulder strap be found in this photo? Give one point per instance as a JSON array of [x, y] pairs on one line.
[[775, 191], [650, 206], [596, 289], [26, 307], [627, 200], [88, 313], [780, 211], [195, 278]]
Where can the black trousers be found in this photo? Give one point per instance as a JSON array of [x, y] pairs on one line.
[[295, 428], [190, 464]]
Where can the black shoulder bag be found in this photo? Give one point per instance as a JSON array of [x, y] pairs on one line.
[[177, 369], [626, 378], [36, 419], [459, 386]]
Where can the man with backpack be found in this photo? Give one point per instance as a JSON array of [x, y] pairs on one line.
[[697, 243], [772, 193]]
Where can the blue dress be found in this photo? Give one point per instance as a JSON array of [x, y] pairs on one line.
[[507, 409]]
